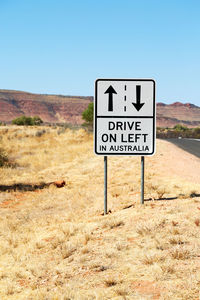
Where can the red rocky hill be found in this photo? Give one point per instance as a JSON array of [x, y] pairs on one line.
[[169, 115], [50, 108], [59, 109]]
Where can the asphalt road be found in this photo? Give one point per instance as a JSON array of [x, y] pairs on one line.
[[190, 145]]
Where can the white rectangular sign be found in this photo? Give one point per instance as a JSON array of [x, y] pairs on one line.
[[124, 122]]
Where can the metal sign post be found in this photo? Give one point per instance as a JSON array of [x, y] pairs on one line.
[[105, 184], [124, 121]]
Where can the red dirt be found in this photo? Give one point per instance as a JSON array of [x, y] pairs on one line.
[[131, 240], [24, 282], [16, 199], [147, 288]]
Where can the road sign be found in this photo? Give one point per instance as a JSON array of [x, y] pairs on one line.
[[124, 117]]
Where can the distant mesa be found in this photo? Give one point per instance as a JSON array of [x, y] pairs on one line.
[[161, 104], [190, 105], [180, 104], [169, 115], [50, 108], [68, 109], [177, 104]]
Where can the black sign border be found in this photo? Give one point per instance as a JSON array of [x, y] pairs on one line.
[[154, 119]]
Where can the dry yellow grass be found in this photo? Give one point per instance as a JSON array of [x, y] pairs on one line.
[[55, 244]]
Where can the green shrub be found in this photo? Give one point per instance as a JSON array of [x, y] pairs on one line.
[[178, 131], [29, 121], [180, 127], [87, 115], [37, 120], [196, 132]]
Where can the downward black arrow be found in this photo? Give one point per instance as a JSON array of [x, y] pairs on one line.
[[138, 105], [110, 91]]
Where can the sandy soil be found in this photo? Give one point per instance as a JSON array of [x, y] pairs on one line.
[[56, 244]]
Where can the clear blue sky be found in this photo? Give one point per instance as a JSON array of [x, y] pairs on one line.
[[61, 46]]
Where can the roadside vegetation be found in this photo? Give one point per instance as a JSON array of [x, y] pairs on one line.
[[28, 121], [178, 131], [56, 244], [88, 116], [4, 161]]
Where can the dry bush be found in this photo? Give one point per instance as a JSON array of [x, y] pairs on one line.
[[161, 244], [176, 241], [39, 133], [110, 281], [40, 244], [121, 292], [10, 289], [5, 160], [57, 241], [151, 259], [175, 231], [87, 237], [143, 229], [97, 267], [112, 223], [174, 223], [110, 254], [67, 250], [168, 268], [69, 229], [121, 246], [161, 191], [157, 190], [180, 253], [146, 228], [85, 250]]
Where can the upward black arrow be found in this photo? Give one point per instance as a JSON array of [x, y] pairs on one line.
[[110, 91], [138, 105]]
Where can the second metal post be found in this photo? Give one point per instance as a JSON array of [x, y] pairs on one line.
[[142, 180]]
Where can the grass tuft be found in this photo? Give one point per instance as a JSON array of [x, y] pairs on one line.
[[67, 250], [168, 269], [180, 254], [110, 281], [176, 241], [151, 259], [144, 229], [112, 223]]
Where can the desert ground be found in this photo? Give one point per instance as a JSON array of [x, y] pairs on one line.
[[55, 243]]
